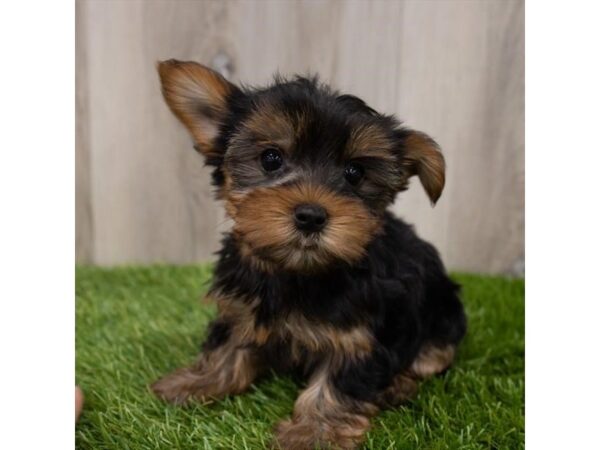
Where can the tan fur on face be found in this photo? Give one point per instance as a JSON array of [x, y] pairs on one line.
[[197, 96], [370, 141], [324, 418], [264, 226], [423, 158], [267, 125]]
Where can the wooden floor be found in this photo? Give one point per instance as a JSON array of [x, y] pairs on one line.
[[454, 69]]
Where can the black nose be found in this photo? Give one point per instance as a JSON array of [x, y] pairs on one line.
[[310, 218]]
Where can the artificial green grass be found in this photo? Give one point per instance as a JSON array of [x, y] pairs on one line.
[[136, 324]]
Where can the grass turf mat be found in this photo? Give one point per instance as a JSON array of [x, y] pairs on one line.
[[135, 324]]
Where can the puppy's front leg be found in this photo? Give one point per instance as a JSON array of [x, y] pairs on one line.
[[225, 371], [230, 362], [324, 417]]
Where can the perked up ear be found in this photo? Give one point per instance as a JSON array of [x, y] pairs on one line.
[[198, 97], [422, 157]]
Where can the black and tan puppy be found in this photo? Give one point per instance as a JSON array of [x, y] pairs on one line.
[[315, 275]]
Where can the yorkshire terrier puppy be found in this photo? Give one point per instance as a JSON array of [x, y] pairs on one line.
[[315, 276]]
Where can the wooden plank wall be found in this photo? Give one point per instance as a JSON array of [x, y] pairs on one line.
[[453, 68]]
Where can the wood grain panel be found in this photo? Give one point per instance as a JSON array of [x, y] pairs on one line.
[[454, 69], [84, 236]]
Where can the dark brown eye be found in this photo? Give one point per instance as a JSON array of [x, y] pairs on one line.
[[354, 173], [271, 159]]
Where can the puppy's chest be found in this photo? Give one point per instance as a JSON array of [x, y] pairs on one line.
[[295, 333], [301, 333]]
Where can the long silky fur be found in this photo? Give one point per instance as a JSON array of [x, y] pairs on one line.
[[369, 312]]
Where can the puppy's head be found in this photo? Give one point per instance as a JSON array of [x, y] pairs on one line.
[[305, 173]]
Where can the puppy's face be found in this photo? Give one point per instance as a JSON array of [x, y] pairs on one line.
[[305, 173]]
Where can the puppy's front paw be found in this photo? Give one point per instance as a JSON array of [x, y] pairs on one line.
[[178, 387], [309, 434], [291, 435]]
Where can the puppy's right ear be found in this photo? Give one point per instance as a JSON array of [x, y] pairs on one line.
[[198, 97]]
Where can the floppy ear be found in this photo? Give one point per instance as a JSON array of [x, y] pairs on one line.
[[422, 157], [198, 97]]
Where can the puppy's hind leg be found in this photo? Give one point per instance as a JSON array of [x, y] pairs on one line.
[[447, 328], [432, 360]]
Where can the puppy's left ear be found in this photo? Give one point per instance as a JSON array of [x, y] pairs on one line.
[[198, 96], [422, 156]]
